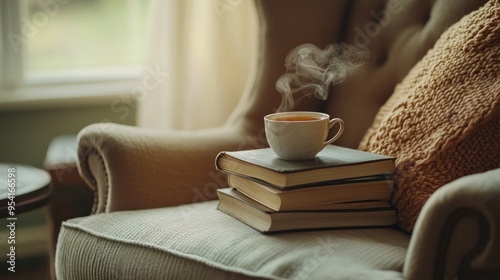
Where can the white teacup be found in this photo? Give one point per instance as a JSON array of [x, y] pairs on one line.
[[300, 135]]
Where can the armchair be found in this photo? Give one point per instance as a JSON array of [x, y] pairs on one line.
[[155, 216]]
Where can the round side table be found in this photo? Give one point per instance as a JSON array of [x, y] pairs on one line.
[[22, 188]]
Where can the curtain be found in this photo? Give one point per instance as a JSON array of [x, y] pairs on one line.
[[200, 57]]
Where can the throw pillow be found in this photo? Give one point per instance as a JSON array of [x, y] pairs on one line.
[[443, 120]]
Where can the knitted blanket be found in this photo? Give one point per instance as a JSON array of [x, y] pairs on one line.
[[443, 120]]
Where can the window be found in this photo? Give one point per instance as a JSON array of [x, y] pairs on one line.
[[76, 42]]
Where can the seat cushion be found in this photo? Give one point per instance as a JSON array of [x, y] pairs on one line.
[[199, 242]]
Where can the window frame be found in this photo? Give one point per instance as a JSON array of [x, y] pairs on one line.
[[11, 63], [19, 90]]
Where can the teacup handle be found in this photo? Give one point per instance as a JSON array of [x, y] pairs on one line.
[[332, 122]]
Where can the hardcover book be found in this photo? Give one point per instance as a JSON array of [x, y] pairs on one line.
[[357, 193], [332, 163], [267, 220]]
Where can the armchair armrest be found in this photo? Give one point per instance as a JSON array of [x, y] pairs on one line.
[[134, 168], [458, 230]]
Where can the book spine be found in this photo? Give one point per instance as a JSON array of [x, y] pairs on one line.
[[217, 159]]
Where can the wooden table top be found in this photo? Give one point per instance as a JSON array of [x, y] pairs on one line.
[[22, 188]]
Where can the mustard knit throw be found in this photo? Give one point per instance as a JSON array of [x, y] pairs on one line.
[[443, 120]]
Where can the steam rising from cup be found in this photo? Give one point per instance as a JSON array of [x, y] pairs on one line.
[[311, 71]]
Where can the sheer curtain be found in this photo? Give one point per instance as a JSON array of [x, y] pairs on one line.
[[200, 57]]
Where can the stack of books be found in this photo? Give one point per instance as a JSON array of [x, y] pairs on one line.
[[341, 187]]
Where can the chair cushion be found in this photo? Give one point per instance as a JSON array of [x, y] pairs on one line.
[[443, 120], [197, 241]]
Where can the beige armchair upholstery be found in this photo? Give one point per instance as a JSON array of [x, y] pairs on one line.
[[154, 213]]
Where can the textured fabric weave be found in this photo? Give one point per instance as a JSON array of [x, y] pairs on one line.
[[199, 242], [443, 121]]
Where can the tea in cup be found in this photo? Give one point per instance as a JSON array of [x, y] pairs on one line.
[[300, 135]]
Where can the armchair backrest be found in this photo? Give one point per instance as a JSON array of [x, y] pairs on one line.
[[397, 33]]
